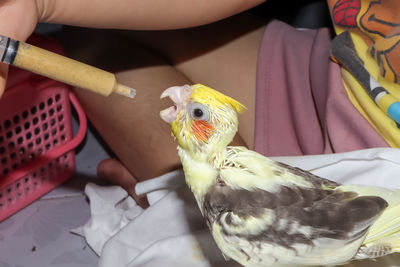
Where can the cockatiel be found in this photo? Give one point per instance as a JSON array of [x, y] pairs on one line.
[[265, 213]]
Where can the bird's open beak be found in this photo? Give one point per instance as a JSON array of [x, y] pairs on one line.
[[179, 95]]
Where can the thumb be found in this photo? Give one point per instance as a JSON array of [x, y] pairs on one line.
[[18, 19]]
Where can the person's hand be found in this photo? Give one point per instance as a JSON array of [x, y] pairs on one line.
[[18, 19]]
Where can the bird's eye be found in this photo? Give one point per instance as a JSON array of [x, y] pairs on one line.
[[198, 111]]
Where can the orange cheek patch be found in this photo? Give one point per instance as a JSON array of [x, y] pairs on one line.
[[202, 130]]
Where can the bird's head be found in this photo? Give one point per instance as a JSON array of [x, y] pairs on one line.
[[203, 120]]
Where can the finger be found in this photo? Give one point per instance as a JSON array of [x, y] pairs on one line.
[[18, 19], [116, 173], [3, 77]]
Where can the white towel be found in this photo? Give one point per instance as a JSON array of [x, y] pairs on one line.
[[171, 232]]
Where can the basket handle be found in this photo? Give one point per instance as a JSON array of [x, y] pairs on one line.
[[57, 151]]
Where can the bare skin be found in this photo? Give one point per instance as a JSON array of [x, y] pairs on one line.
[[222, 55]]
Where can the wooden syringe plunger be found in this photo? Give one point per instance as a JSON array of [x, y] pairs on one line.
[[60, 68]]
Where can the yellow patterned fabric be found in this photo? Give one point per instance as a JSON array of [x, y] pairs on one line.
[[375, 31]]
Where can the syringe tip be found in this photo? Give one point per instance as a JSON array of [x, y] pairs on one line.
[[125, 91], [132, 93]]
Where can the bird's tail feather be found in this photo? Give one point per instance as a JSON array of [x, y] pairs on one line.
[[383, 237], [388, 224]]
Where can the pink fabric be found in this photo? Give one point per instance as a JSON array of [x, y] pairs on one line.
[[302, 107]]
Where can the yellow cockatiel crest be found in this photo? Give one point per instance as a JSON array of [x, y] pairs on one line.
[[265, 213], [213, 98]]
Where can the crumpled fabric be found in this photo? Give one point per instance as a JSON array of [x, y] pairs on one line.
[[172, 232]]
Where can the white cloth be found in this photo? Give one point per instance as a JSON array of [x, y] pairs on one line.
[[171, 232]]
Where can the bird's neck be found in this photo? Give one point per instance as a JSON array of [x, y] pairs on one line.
[[198, 163], [200, 173]]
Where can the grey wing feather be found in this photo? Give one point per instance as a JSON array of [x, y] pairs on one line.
[[302, 216]]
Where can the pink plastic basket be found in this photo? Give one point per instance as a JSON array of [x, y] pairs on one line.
[[36, 139]]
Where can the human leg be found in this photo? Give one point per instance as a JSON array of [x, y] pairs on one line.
[[132, 128], [225, 60], [221, 55]]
